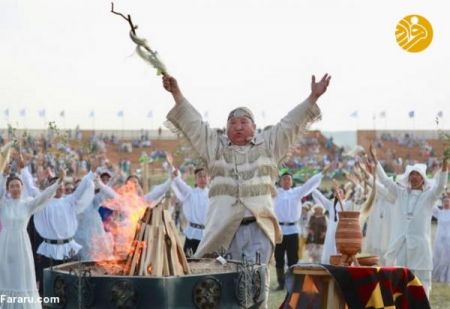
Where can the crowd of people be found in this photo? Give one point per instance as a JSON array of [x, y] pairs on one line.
[[242, 204]]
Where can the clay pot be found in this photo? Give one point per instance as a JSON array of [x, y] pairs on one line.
[[335, 260], [368, 260], [348, 233]]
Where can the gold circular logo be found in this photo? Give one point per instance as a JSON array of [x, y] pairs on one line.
[[414, 33]]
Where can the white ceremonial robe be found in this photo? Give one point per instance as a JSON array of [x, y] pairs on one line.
[[410, 241], [195, 206], [379, 224], [58, 220], [329, 245], [17, 274], [97, 244], [288, 204], [441, 249]]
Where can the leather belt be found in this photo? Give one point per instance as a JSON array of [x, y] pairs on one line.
[[197, 226], [248, 220], [58, 241], [287, 223]]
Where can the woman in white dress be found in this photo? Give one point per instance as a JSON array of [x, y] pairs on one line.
[[441, 250], [17, 276], [329, 246], [97, 244]]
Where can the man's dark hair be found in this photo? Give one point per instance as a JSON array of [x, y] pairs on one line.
[[12, 177], [198, 170], [52, 180]]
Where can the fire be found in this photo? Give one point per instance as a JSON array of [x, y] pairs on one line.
[[123, 225]]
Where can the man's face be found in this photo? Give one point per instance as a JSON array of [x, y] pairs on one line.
[[240, 130], [105, 178], [286, 182], [416, 180], [201, 179]]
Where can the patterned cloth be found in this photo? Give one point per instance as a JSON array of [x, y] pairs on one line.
[[362, 287]]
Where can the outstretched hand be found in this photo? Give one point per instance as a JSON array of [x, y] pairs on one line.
[[319, 88], [171, 85]]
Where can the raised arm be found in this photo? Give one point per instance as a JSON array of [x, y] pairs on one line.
[[30, 187], [381, 190], [41, 199], [106, 190], [180, 188], [286, 133], [86, 197], [388, 183], [441, 179], [158, 191], [435, 211], [185, 119], [309, 186], [321, 199], [82, 186]]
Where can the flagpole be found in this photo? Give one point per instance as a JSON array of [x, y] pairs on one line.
[[123, 127], [374, 118]]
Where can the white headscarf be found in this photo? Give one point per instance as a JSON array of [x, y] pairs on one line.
[[420, 168]]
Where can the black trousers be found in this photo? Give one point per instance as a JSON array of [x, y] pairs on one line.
[[288, 246], [190, 244], [41, 263]]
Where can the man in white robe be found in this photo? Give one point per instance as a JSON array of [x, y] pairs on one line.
[[195, 206], [57, 223], [415, 195], [288, 205]]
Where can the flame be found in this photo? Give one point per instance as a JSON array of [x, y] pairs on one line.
[[123, 226]]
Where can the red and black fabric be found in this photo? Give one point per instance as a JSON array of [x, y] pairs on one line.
[[379, 287]]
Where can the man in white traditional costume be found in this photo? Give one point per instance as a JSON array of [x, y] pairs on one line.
[[57, 223], [415, 195], [195, 205], [243, 170], [288, 205]]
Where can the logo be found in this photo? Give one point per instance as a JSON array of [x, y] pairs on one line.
[[414, 33]]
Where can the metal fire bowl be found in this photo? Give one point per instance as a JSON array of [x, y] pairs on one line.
[[82, 285]]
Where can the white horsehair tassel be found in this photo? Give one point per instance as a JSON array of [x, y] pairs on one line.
[[146, 53]]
